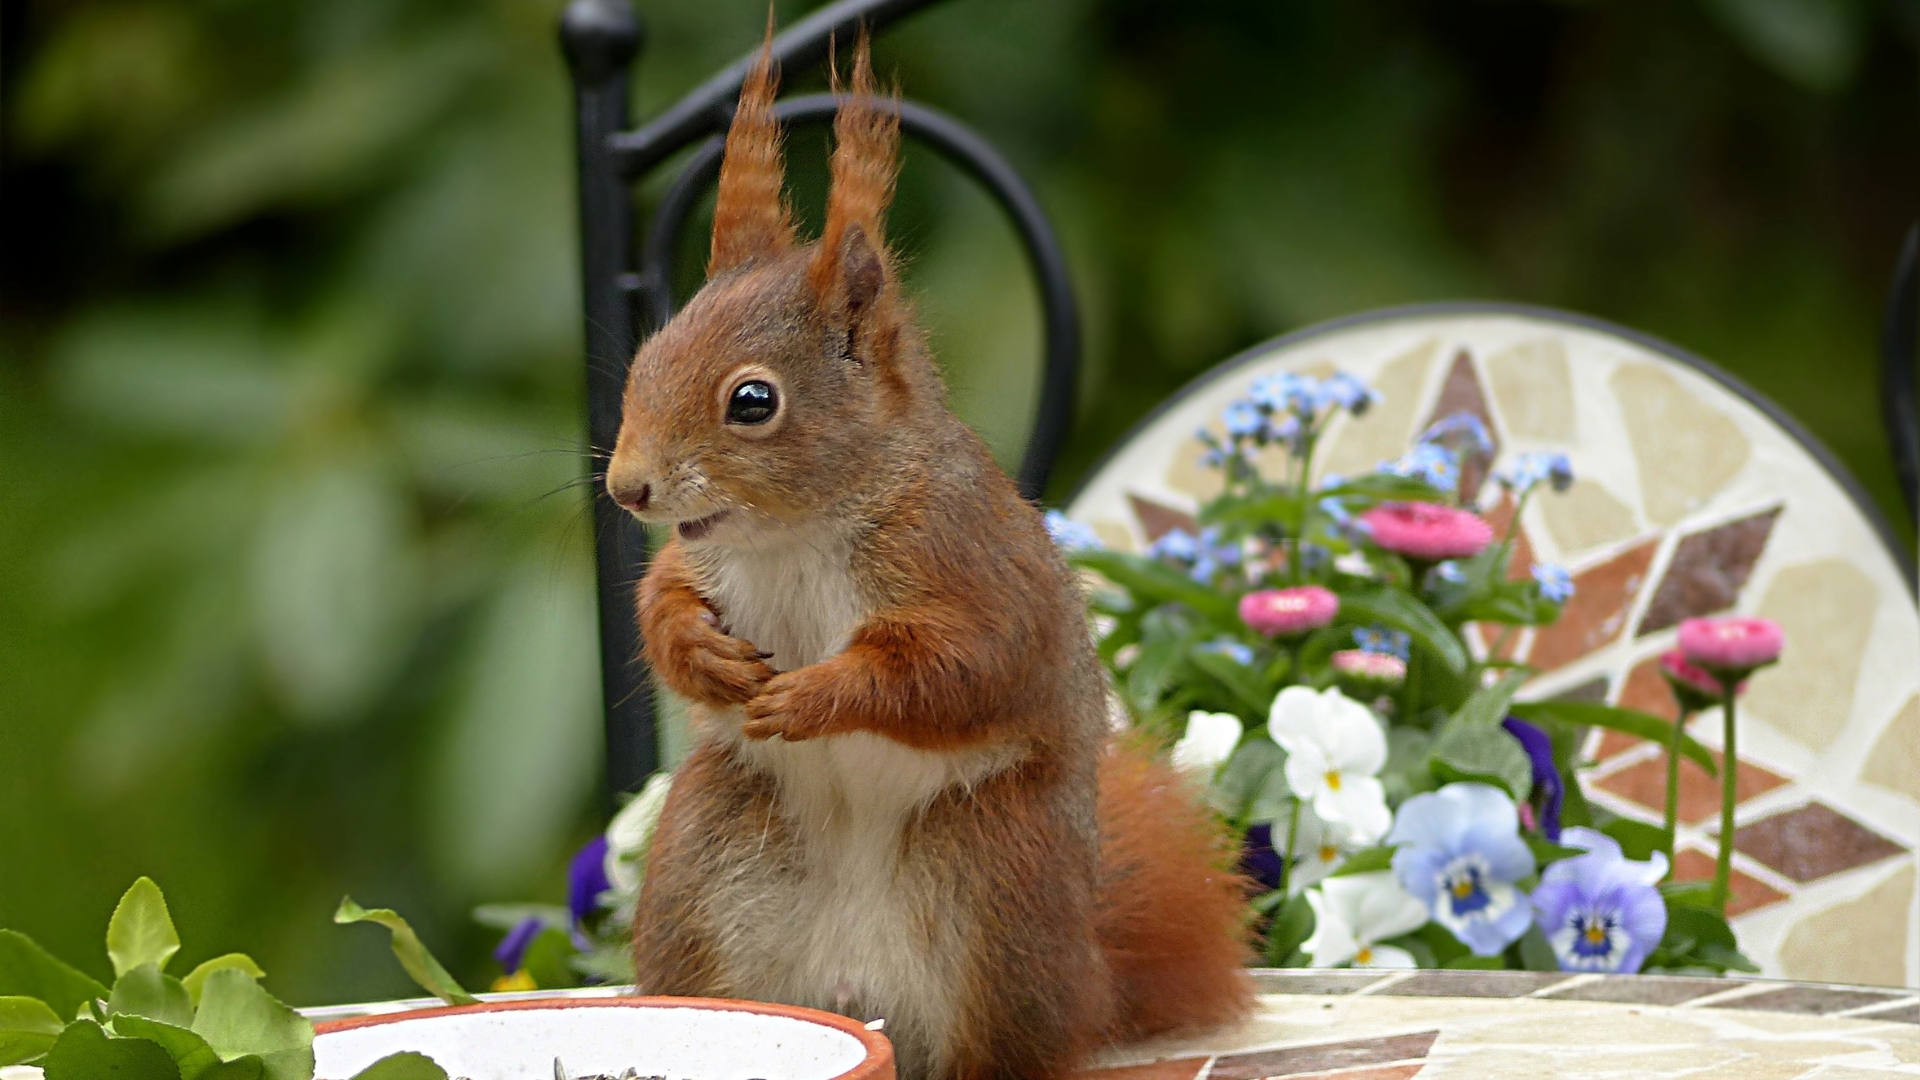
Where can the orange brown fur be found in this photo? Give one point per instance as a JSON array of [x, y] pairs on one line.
[[750, 217], [901, 802]]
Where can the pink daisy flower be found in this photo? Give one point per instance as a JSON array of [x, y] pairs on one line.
[[1674, 665], [1731, 643], [1427, 531], [1377, 667], [1285, 612]]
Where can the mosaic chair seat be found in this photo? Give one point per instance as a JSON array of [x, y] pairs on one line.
[[1694, 496]]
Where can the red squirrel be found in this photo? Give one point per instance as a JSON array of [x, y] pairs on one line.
[[905, 799]]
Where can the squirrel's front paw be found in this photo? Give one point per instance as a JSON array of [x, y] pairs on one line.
[[783, 708], [706, 665]]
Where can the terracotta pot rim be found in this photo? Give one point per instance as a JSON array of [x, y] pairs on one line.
[[876, 1065]]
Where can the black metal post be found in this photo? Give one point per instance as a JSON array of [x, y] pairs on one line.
[[601, 39]]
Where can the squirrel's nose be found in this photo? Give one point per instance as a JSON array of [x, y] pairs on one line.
[[634, 498]]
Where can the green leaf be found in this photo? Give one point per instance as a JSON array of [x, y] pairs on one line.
[[235, 961], [412, 953], [143, 991], [1245, 776], [1644, 725], [1695, 894], [1536, 953], [1366, 861], [402, 1066], [1402, 612], [1545, 852], [1637, 839], [1151, 579], [1384, 487], [1406, 773], [27, 970], [27, 1028], [1244, 681], [1477, 963], [1483, 753], [1292, 925], [1488, 705], [1273, 802], [190, 1052], [141, 931], [549, 960], [84, 1052], [238, 1017]]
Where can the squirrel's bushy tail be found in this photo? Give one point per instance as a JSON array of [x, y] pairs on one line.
[[1172, 917]]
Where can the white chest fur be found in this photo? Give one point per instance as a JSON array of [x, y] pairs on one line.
[[854, 930]]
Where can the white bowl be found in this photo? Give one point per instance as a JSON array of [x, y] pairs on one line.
[[678, 1038]]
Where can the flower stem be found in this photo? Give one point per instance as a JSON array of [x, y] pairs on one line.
[[1673, 777], [1729, 776], [1293, 831]]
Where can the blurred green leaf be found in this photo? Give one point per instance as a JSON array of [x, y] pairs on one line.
[[197, 978], [27, 1028], [1482, 753], [1816, 43], [84, 1052], [333, 581], [1402, 612], [402, 1066], [141, 931], [411, 951], [1488, 705], [1157, 582], [27, 970], [1246, 774], [1292, 925], [549, 960], [237, 1018], [1637, 839], [190, 1052], [1642, 725], [1366, 861], [145, 991]]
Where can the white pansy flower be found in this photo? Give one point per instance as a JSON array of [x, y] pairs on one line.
[[630, 834], [1209, 741], [1335, 749], [1352, 915], [1319, 848]]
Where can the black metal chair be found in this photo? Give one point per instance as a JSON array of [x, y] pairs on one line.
[[627, 299]]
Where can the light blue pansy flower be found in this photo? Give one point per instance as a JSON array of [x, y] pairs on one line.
[[1600, 911], [1461, 854]]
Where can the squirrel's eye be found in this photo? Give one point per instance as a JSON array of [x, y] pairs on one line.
[[752, 402]]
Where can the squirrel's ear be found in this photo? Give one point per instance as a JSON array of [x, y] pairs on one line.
[[851, 266], [750, 216]]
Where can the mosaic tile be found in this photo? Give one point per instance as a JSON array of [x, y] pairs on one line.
[[1461, 393], [1894, 761], [1641, 989], [1176, 1069], [1645, 782], [1533, 388], [1321, 1057], [1904, 1014], [1744, 891], [1602, 597], [1186, 473], [1826, 609], [1520, 563], [1647, 690], [1114, 535], [1369, 1072], [1667, 424], [1587, 517], [1363, 442], [1814, 1000], [1495, 984], [1811, 842], [1708, 570], [1158, 519], [1863, 940], [1310, 981]]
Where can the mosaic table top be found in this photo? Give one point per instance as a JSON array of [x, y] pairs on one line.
[[1691, 499], [1362, 1025]]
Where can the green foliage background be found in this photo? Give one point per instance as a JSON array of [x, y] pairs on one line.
[[293, 578]]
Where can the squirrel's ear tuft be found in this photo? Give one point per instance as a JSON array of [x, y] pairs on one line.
[[866, 136], [750, 216]]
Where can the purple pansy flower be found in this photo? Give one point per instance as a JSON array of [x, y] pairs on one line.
[[1461, 853], [513, 947], [1547, 784], [587, 879], [1258, 859], [1600, 911]]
